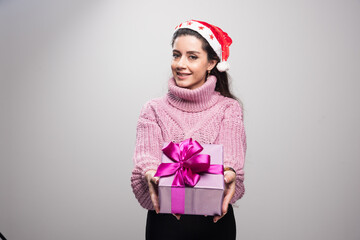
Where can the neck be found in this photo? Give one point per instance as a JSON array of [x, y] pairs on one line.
[[193, 100]]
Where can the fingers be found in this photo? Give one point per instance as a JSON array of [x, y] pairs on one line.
[[217, 218], [149, 174], [224, 211], [229, 177], [228, 194], [224, 207], [229, 189], [155, 180], [154, 197], [152, 183]]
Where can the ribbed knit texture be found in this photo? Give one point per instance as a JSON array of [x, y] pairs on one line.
[[202, 114]]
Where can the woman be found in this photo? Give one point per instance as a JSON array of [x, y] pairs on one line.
[[198, 105]]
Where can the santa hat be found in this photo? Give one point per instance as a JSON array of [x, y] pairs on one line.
[[217, 38]]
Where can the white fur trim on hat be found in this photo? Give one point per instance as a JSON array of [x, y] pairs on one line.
[[223, 66]]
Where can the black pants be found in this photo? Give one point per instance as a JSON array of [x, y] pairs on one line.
[[189, 227]]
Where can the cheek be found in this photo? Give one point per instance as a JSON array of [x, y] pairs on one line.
[[173, 65], [199, 69]]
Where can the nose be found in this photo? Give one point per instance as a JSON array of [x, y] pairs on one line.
[[181, 63]]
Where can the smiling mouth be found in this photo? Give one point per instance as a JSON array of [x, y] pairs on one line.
[[183, 75]]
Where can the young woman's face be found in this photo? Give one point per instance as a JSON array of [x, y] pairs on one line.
[[190, 64]]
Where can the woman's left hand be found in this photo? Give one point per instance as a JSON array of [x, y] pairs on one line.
[[229, 179]]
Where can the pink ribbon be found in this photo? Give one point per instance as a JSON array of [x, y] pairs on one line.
[[187, 166]]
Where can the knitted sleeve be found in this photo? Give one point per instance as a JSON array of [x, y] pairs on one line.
[[147, 154], [232, 136]]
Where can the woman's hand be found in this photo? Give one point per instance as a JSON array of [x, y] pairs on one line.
[[229, 179], [153, 188], [153, 183]]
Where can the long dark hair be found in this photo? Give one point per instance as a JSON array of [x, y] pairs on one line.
[[222, 83]]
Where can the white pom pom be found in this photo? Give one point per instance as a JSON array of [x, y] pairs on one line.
[[223, 66]]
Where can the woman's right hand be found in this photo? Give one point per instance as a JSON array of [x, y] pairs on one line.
[[153, 188]]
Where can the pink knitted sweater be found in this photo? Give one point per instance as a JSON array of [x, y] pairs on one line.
[[202, 114]]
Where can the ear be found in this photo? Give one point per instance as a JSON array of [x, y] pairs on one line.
[[211, 64]]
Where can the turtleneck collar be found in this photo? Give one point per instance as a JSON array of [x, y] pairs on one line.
[[193, 100]]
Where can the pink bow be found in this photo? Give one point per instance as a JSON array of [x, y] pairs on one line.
[[188, 163]]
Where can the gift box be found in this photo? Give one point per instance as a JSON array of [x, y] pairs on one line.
[[191, 178]]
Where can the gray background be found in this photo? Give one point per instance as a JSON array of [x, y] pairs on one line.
[[75, 74]]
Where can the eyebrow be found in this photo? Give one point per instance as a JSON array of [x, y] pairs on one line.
[[188, 52]]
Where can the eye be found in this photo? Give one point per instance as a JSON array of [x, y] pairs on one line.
[[193, 57], [175, 55]]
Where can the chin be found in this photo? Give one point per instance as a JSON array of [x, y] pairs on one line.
[[182, 83]]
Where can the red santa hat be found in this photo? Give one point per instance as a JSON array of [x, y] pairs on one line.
[[217, 38]]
